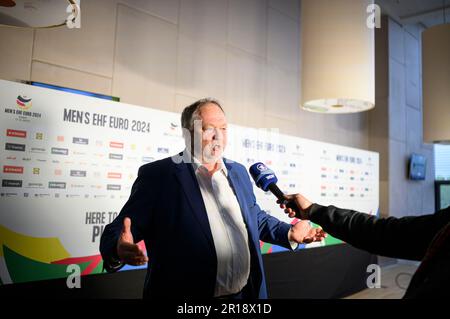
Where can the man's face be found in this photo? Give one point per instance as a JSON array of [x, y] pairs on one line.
[[211, 128]]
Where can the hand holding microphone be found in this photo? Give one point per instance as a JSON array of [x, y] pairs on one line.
[[294, 205], [302, 204]]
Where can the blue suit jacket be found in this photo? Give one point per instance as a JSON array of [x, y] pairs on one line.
[[167, 212]]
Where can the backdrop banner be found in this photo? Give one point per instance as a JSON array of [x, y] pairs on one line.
[[68, 162]]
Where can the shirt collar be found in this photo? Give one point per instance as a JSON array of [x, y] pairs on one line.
[[196, 164]]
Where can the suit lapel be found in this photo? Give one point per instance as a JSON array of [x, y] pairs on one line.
[[185, 175]]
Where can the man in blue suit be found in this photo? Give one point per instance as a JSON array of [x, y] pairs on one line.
[[198, 216]]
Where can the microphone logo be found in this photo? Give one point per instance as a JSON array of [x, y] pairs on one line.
[[261, 167]]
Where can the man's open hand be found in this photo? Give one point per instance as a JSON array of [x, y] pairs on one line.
[[303, 233], [127, 250]]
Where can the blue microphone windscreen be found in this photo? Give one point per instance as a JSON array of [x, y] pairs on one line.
[[262, 175]]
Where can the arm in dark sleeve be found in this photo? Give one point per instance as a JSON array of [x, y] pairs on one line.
[[138, 209], [406, 237]]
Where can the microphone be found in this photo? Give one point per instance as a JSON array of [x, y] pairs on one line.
[[266, 179]]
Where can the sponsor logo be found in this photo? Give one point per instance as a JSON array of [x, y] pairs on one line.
[[26, 159], [76, 186], [77, 173], [12, 158], [9, 194], [58, 172], [16, 133], [98, 143], [72, 195], [116, 144], [35, 185], [39, 136], [60, 151], [113, 187], [41, 160], [78, 153], [36, 170], [133, 147], [23, 102], [15, 147], [147, 159], [42, 195], [58, 185], [163, 150], [37, 150], [115, 156], [11, 183], [13, 169], [114, 175], [60, 138], [80, 140]]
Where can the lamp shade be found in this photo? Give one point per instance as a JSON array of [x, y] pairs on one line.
[[338, 56], [34, 13], [436, 84]]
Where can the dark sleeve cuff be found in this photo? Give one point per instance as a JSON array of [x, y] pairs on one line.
[[112, 265], [315, 212]]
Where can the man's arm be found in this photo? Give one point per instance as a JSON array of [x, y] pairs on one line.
[[406, 237], [138, 209], [271, 230]]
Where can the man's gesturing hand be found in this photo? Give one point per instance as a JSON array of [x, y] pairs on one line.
[[303, 233], [127, 250]]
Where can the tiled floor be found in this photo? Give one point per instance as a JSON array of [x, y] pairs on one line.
[[394, 280]]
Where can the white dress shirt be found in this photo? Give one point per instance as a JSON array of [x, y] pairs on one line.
[[228, 229]]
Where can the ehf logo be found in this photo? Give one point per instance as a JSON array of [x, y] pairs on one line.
[[23, 102]]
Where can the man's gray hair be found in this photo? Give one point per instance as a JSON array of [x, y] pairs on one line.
[[191, 112]]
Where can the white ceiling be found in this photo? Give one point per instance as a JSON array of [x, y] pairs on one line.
[[426, 12]]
